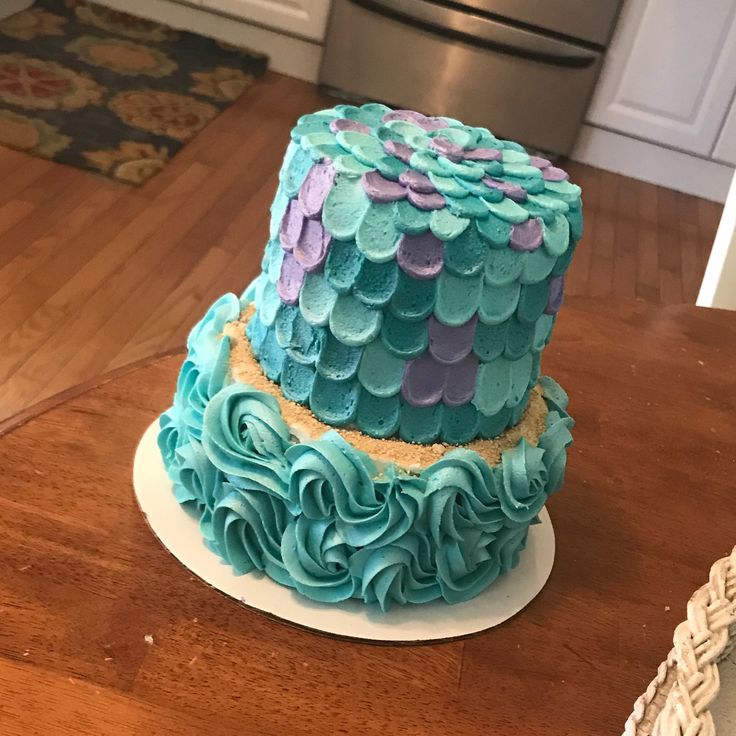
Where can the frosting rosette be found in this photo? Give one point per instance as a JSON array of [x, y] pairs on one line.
[[400, 572], [203, 342], [461, 494], [169, 435], [248, 525], [463, 515], [524, 488], [196, 480], [316, 556], [508, 545], [247, 437], [197, 384], [466, 566], [329, 478]]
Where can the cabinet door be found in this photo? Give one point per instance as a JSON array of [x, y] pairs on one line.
[[670, 72], [305, 18], [725, 149]]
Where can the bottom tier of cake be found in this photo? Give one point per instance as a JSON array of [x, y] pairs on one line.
[[336, 514]]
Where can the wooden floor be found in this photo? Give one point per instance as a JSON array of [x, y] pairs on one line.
[[94, 275]]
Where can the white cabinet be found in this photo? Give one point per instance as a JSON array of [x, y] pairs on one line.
[[725, 149], [303, 18], [670, 73]]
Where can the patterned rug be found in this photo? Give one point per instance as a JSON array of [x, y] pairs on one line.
[[95, 88]]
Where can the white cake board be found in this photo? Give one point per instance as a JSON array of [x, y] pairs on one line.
[[179, 532]]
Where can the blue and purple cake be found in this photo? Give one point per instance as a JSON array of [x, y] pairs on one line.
[[368, 419]]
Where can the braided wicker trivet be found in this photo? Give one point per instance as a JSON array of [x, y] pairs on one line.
[[678, 700]]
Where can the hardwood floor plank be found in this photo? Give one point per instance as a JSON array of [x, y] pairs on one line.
[[57, 239], [33, 340], [626, 241], [94, 274], [668, 248], [122, 306], [647, 262], [600, 282], [226, 267], [12, 212], [692, 262]]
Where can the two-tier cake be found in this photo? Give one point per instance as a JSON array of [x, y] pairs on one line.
[[368, 420]]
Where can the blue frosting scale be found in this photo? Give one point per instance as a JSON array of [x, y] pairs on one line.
[[388, 221], [320, 516]]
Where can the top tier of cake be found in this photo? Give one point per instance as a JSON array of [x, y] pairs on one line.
[[413, 274]]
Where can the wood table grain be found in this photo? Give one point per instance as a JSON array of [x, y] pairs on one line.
[[648, 505]]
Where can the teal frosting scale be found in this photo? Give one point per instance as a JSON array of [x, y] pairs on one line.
[[322, 517], [385, 222]]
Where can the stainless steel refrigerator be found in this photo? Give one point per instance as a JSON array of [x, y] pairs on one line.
[[523, 68]]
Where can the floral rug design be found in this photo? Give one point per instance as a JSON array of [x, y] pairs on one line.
[[95, 88]]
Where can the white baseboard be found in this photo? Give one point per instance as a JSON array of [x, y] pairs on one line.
[[652, 163], [288, 55], [11, 7]]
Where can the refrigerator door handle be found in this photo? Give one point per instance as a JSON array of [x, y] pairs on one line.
[[481, 31]]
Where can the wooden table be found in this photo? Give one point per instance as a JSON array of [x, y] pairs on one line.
[[648, 505]]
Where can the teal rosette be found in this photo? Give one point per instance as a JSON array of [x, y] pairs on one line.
[[462, 493], [557, 437], [331, 479], [466, 566], [203, 373], [247, 526], [524, 488], [170, 435], [463, 515], [508, 545], [316, 557], [554, 441], [402, 571], [246, 438], [197, 385], [203, 342], [196, 481]]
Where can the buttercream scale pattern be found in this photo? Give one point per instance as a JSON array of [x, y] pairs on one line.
[[320, 516], [413, 274]]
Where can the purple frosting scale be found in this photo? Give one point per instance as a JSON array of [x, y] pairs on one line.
[[527, 236], [381, 190], [291, 226], [446, 148], [556, 294], [421, 256], [426, 382], [399, 150], [433, 201], [339, 124], [552, 173], [315, 188], [417, 181], [423, 382], [412, 116], [450, 345], [512, 191], [314, 243], [460, 385], [290, 280], [539, 162], [482, 154]]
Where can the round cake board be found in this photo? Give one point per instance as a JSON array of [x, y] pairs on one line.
[[179, 532]]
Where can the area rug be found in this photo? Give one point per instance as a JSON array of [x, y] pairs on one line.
[[91, 87]]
